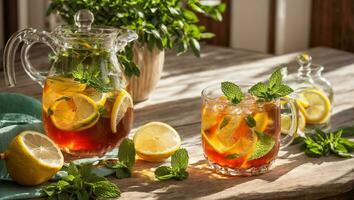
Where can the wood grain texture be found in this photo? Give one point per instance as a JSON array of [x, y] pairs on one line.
[[176, 101]]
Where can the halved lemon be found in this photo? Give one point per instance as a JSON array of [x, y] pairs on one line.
[[156, 141], [32, 158], [120, 107], [98, 97], [319, 107], [74, 113]]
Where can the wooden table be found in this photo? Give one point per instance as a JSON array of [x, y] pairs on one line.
[[176, 101]]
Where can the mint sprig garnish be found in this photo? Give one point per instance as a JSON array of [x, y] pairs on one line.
[[274, 89], [232, 92], [82, 183], [126, 159], [179, 164]]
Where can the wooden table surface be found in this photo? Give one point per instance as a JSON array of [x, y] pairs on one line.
[[176, 101]]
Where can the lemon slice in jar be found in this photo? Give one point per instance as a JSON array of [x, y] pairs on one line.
[[32, 158], [74, 113], [319, 107], [122, 103], [156, 141]]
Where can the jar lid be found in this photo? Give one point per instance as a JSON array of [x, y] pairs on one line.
[[83, 21]]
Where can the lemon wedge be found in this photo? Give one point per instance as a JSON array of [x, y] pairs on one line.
[[318, 110], [262, 121], [74, 113], [156, 141], [120, 107], [32, 158]]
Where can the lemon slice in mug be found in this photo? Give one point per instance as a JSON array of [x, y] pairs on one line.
[[98, 97], [120, 107], [156, 141], [74, 113], [32, 158]]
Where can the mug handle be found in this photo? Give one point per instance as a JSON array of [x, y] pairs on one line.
[[287, 140]]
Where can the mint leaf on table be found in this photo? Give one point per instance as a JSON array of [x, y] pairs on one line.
[[324, 144], [271, 90], [126, 159], [232, 92], [81, 183], [179, 164]]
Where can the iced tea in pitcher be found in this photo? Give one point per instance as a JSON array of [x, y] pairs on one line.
[[83, 121]]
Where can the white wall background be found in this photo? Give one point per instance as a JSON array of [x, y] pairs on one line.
[[250, 21]]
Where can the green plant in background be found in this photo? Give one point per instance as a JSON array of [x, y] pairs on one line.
[[162, 24]]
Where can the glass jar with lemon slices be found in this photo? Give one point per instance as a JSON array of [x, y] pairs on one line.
[[314, 96], [86, 110]]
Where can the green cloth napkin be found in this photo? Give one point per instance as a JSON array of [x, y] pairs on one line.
[[19, 113]]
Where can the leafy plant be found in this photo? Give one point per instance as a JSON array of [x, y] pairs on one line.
[[162, 24], [179, 164], [82, 183], [126, 156], [271, 90]]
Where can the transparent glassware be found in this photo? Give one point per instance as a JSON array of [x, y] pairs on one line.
[[309, 76], [86, 110]]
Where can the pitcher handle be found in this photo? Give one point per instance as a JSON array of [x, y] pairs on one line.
[[29, 37], [287, 140]]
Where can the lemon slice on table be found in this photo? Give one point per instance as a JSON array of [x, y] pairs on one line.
[[32, 158], [98, 97], [286, 123], [156, 141], [319, 107], [120, 107], [74, 113]]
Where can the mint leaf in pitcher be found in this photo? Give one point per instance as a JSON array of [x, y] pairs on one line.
[[273, 89], [232, 92]]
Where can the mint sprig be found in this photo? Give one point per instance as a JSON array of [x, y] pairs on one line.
[[179, 164], [232, 92], [126, 157], [82, 183], [324, 144], [274, 89]]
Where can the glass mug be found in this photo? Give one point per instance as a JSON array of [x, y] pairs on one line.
[[231, 144]]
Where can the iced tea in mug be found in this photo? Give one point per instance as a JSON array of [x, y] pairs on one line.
[[241, 139]]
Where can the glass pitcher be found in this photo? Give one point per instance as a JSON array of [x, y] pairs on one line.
[[86, 110]]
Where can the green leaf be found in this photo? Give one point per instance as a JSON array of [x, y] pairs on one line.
[[251, 122], [232, 156], [164, 173], [224, 122], [258, 90], [207, 35], [105, 189], [179, 160], [284, 90], [126, 152], [195, 47], [232, 92], [275, 79]]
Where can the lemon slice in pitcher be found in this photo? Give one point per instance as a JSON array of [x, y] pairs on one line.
[[32, 158], [98, 97], [156, 141], [74, 113], [319, 106], [120, 107]]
